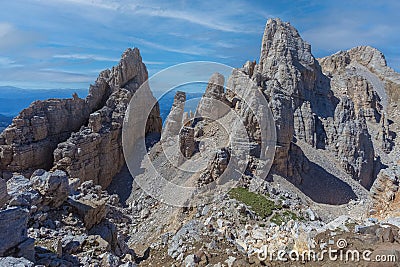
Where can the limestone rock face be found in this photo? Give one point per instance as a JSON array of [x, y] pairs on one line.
[[54, 132], [287, 63], [13, 234], [352, 143], [364, 97], [90, 204], [213, 103], [295, 87], [304, 123], [22, 193], [385, 137], [305, 108], [44, 189], [174, 121], [362, 73], [53, 186], [385, 190], [216, 167], [186, 141], [3, 192], [28, 143], [95, 151]]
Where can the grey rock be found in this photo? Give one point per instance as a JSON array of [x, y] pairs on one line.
[[108, 259], [352, 142], [15, 262], [92, 211], [95, 151], [53, 186], [189, 231], [174, 121], [72, 244], [191, 260], [4, 197], [128, 264], [14, 242], [186, 141], [108, 231], [21, 192], [213, 103]]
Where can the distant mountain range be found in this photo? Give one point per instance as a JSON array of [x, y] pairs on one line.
[[165, 102], [4, 122], [13, 100]]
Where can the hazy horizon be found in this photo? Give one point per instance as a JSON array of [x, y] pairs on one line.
[[65, 44]]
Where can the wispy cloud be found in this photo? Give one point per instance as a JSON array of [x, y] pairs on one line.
[[188, 50], [199, 18], [86, 57], [216, 16], [12, 38], [153, 62]]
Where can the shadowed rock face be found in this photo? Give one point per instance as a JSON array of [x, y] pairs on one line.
[[304, 106], [352, 143], [95, 151], [79, 136]]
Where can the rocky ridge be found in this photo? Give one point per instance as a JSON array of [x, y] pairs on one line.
[[307, 202], [79, 136]]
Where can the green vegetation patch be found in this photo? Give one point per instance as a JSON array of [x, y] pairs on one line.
[[262, 206], [284, 217]]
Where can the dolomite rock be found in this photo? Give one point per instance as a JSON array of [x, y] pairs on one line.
[[304, 123], [213, 103], [3, 193], [53, 186], [352, 143], [384, 134], [186, 141], [14, 239], [53, 132], [28, 143], [364, 97], [216, 167], [286, 62], [43, 189], [373, 85], [95, 151], [174, 121], [90, 205], [384, 190], [22, 193], [295, 88], [15, 262]]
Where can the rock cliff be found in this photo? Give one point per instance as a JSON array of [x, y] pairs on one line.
[[79, 136], [304, 106]]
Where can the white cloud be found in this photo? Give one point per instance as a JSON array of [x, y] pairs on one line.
[[5, 28], [153, 62], [189, 50], [12, 38], [4, 61], [199, 18], [86, 57], [219, 17]]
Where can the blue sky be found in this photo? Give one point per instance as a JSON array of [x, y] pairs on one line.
[[65, 43]]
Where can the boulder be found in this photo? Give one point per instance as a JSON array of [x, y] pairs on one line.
[[14, 240]]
